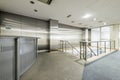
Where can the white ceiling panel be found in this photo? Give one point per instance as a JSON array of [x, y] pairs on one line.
[[103, 10]]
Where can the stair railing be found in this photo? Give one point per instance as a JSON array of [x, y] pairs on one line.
[[64, 47]]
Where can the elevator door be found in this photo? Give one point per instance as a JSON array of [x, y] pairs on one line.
[[7, 58]]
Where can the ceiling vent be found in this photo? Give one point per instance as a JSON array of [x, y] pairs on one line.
[[46, 1]]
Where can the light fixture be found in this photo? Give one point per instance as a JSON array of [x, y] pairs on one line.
[[32, 2], [94, 19], [72, 21], [69, 16], [104, 23], [86, 16], [35, 10], [46, 1]]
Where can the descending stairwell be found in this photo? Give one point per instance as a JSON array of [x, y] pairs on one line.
[[85, 51]]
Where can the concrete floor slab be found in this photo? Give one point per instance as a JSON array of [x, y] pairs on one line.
[[54, 66]]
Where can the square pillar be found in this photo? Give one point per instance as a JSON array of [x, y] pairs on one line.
[[53, 35], [115, 35]]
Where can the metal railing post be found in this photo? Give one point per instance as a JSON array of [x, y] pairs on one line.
[[80, 50], [97, 49], [114, 45], [110, 45], [65, 46], [85, 50], [105, 46], [62, 46]]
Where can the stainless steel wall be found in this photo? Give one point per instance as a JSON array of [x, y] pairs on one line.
[[7, 58], [27, 53], [64, 32], [16, 25], [16, 56], [72, 34], [53, 33]]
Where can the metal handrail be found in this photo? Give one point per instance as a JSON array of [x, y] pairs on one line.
[[64, 44], [92, 51], [96, 41], [85, 44], [72, 46]]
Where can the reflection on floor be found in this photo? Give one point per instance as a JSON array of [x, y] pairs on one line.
[[54, 66], [107, 68]]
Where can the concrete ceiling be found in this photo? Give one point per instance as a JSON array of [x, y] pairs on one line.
[[105, 11]]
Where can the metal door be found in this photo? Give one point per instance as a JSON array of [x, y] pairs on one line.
[[7, 58]]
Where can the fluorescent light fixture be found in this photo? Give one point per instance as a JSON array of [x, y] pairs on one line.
[[104, 23], [86, 16]]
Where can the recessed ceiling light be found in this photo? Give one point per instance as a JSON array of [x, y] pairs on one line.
[[94, 19], [72, 21], [32, 2], [35, 10], [104, 23], [69, 16], [86, 16]]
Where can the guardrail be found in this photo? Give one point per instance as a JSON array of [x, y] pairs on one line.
[[64, 46], [85, 45], [88, 49]]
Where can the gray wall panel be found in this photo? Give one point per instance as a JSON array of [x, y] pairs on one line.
[[7, 59], [25, 26], [27, 52], [54, 43], [64, 32], [70, 33]]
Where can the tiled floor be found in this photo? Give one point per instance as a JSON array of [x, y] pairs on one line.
[[54, 66]]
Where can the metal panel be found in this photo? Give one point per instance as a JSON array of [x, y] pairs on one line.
[[27, 52], [19, 23], [7, 58]]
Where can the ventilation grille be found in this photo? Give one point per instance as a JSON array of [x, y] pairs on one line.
[[46, 1]]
